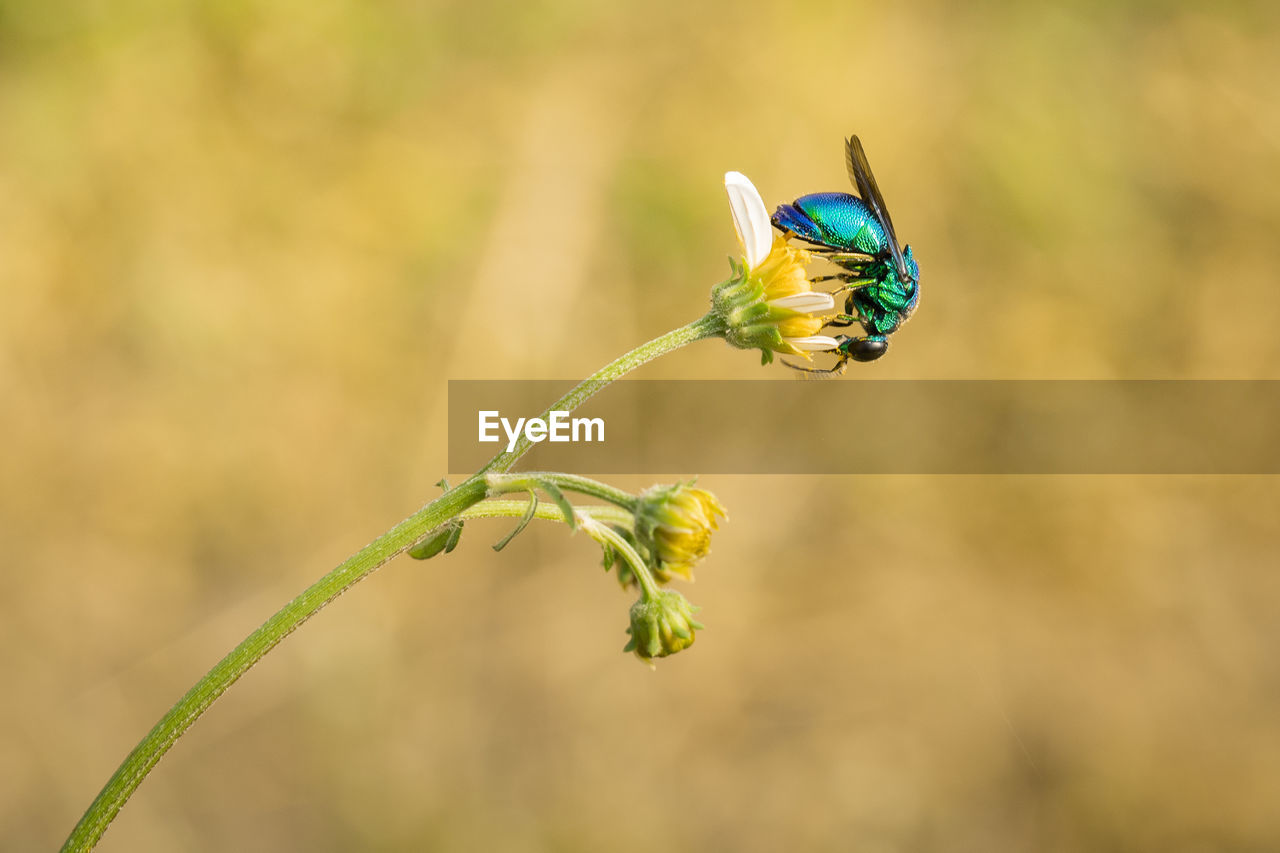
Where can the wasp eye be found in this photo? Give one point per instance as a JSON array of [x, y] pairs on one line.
[[867, 349]]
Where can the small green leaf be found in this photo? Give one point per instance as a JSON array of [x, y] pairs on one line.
[[432, 545], [524, 522], [455, 533], [558, 498], [445, 539]]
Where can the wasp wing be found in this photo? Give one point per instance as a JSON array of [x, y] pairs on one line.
[[865, 182]]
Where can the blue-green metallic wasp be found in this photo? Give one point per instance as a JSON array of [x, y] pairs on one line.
[[855, 233]]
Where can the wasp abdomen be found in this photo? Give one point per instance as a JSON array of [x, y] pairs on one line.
[[838, 221]]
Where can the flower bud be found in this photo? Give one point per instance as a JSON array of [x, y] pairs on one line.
[[674, 525], [661, 625]]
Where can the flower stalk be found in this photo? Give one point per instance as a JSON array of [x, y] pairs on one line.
[[504, 483], [129, 775], [545, 512]]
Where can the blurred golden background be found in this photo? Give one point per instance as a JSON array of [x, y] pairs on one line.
[[243, 245]]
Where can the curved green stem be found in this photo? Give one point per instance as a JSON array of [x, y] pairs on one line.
[[595, 520], [545, 512], [395, 541], [608, 536], [710, 326], [524, 481]]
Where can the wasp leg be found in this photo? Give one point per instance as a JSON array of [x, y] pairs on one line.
[[849, 273], [849, 318], [859, 258], [830, 371], [849, 283]]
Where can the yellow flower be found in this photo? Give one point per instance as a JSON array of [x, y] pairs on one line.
[[674, 524], [768, 303]]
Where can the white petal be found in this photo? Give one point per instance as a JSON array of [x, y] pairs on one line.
[[806, 303], [813, 343], [750, 217]]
